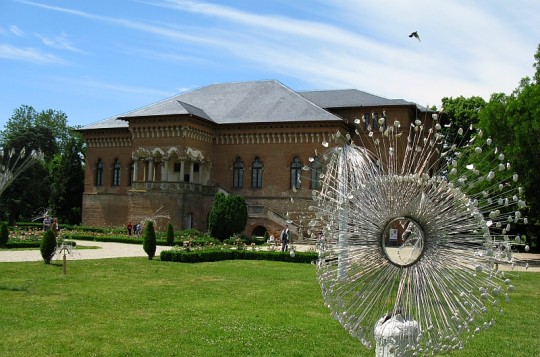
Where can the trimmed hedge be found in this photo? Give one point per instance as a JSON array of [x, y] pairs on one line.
[[213, 255]]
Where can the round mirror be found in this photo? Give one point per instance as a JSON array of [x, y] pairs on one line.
[[403, 241]]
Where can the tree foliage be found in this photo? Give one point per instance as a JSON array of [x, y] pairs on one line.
[[55, 183], [28, 192], [513, 121], [462, 113], [149, 240], [67, 185], [227, 216], [26, 117]]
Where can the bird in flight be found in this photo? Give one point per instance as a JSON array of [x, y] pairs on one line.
[[415, 35]]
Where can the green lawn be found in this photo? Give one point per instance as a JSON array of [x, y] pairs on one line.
[[137, 307]]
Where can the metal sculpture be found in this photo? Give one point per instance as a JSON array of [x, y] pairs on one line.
[[414, 227], [13, 163]]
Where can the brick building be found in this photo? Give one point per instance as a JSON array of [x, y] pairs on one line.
[[249, 138]]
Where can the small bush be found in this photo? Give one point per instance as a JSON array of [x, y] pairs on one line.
[[48, 245], [4, 235], [149, 240]]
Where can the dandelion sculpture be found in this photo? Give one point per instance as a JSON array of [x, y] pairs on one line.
[[12, 164], [416, 228], [159, 214]]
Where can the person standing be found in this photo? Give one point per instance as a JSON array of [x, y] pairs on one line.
[[55, 227], [285, 239], [46, 223], [320, 241], [129, 228]]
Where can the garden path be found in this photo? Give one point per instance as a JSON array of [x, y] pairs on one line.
[[119, 250], [104, 250]]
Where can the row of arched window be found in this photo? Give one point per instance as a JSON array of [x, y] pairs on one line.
[[295, 168], [116, 173], [257, 169]]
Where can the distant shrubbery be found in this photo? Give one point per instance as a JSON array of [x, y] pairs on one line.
[[29, 235], [237, 240]]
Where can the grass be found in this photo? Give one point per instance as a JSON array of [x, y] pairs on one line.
[[137, 307]]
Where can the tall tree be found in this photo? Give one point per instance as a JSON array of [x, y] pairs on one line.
[[67, 181], [514, 122], [30, 190], [26, 117], [59, 180]]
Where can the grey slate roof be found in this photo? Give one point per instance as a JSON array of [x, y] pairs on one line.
[[252, 102], [241, 102], [345, 98], [109, 123]]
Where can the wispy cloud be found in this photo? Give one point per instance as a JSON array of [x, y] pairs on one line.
[[16, 31], [28, 54], [11, 30], [359, 44], [60, 42]]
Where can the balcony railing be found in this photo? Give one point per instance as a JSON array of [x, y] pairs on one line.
[[173, 187]]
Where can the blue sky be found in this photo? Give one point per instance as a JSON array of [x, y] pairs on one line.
[[100, 58]]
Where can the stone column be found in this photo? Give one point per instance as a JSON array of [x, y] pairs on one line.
[[182, 165], [191, 171], [165, 169], [150, 173]]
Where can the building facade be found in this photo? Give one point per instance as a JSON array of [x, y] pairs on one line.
[[259, 139]]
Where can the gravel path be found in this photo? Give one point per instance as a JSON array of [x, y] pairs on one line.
[[119, 250], [105, 250]]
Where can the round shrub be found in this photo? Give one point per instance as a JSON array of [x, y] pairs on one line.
[[48, 245]]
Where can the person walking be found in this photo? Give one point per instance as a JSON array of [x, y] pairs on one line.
[[285, 239]]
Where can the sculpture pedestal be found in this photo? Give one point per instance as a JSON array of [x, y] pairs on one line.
[[395, 336]]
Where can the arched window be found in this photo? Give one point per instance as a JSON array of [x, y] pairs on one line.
[[296, 172], [99, 173], [238, 173], [116, 173], [375, 120], [367, 121], [256, 173], [383, 124], [316, 170]]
